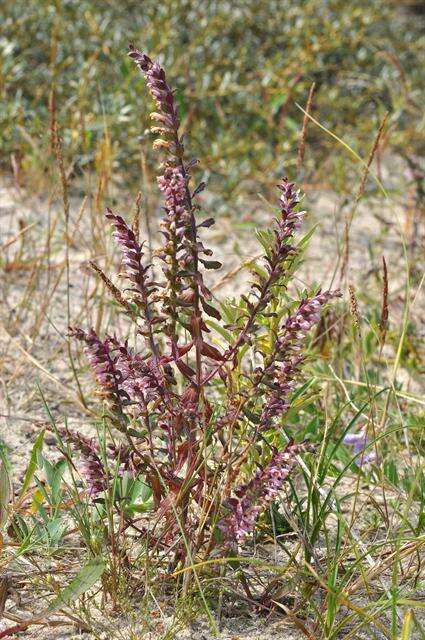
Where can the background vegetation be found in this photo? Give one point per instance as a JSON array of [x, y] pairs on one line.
[[239, 68]]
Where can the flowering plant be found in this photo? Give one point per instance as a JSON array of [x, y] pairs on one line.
[[193, 412]]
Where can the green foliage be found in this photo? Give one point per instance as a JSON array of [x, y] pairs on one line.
[[239, 69]]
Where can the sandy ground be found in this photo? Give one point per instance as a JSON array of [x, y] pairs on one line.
[[233, 629], [35, 352]]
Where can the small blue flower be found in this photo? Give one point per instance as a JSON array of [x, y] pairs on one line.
[[359, 441]]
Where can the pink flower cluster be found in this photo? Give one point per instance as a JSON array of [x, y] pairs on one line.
[[103, 364], [141, 379], [173, 186], [281, 373], [291, 219], [91, 468], [255, 496]]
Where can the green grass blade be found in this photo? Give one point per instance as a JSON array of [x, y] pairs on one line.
[[32, 465]]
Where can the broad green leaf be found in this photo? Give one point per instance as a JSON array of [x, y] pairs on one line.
[[223, 332], [141, 491], [83, 581]]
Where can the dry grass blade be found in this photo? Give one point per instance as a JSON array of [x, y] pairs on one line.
[[369, 161], [18, 235], [301, 145], [360, 193], [409, 549], [116, 293]]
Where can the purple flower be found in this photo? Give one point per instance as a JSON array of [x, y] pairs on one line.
[[290, 219], [132, 253], [137, 273], [103, 365], [275, 259], [359, 441], [173, 186], [255, 496], [286, 225], [92, 469], [180, 228], [141, 380], [177, 251], [284, 365]]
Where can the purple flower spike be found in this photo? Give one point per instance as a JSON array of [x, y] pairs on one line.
[[91, 467], [132, 253], [142, 379], [143, 287], [259, 493], [289, 222], [177, 251], [103, 365], [287, 357]]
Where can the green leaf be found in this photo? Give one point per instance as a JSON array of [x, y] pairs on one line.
[[83, 581], [182, 105], [58, 470], [265, 238], [277, 101], [137, 433], [303, 243], [5, 493], [32, 465], [223, 332], [141, 491]]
